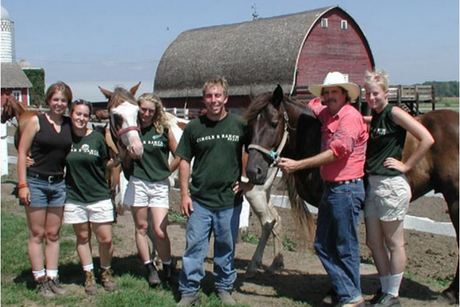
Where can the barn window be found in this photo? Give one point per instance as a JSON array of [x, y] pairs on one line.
[[343, 24], [17, 95], [323, 22]]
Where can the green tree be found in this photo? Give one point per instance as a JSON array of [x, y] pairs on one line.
[[37, 92]]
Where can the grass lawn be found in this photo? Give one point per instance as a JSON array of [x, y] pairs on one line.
[[18, 288]]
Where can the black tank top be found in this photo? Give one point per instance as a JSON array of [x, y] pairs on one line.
[[49, 148]]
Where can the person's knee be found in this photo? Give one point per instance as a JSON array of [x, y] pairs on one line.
[[37, 235], [160, 233], [52, 236], [141, 228], [105, 239], [82, 238]]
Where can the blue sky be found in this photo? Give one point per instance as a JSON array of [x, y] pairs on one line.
[[104, 42]]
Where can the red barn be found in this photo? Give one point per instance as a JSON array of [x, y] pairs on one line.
[[291, 50]]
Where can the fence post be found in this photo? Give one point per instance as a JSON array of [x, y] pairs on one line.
[[4, 149]]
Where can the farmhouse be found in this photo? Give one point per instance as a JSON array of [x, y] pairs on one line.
[[15, 83], [291, 50]]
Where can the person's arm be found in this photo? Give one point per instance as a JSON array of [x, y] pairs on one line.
[[289, 165], [403, 119], [174, 164], [28, 133], [184, 175]]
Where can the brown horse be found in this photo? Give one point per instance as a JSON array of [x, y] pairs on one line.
[[11, 108], [269, 115], [124, 126]]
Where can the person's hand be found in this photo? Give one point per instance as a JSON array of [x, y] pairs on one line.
[[24, 196], [186, 207], [395, 164], [287, 165], [29, 161], [242, 187]]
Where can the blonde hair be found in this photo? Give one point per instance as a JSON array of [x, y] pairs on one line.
[[218, 80], [160, 119], [380, 77]]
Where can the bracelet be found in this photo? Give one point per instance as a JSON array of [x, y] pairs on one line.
[[22, 186]]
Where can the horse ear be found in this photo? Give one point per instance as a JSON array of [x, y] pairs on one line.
[[278, 96], [108, 94], [134, 89]]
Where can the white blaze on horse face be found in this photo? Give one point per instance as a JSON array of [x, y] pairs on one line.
[[130, 139]]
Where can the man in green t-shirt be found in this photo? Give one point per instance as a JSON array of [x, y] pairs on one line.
[[213, 200]]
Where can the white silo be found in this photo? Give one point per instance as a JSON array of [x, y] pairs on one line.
[[7, 49]]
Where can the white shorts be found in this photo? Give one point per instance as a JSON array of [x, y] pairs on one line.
[[141, 193], [387, 198], [97, 212]]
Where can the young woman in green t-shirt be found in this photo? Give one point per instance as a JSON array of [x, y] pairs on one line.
[[148, 187], [88, 206], [388, 193]]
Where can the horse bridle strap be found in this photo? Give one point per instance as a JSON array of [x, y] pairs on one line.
[[274, 154], [126, 130]]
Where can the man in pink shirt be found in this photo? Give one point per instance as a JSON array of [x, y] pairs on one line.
[[341, 161]]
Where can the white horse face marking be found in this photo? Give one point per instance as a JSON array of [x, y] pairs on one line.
[[129, 112]]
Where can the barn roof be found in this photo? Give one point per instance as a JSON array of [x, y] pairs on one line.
[[252, 55], [13, 76]]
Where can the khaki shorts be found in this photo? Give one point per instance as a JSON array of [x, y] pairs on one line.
[[141, 193], [96, 212], [387, 198]]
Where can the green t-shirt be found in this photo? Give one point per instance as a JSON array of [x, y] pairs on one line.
[[386, 139], [85, 169], [154, 165], [217, 148]]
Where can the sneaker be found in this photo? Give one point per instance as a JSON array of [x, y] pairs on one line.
[[226, 298], [359, 303], [55, 286], [330, 298], [189, 300], [107, 280], [168, 271], [387, 300], [44, 289], [152, 275], [90, 283], [376, 297]]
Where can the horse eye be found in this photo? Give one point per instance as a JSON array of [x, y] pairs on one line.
[[274, 122]]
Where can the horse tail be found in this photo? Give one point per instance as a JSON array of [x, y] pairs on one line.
[[303, 218]]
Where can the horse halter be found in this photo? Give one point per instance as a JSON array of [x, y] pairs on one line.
[[273, 154], [122, 131]]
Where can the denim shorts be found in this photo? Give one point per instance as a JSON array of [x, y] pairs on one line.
[[46, 194]]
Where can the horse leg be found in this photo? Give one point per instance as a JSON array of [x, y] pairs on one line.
[[451, 293], [278, 260], [258, 198]]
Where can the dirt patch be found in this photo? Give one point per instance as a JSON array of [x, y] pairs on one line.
[[303, 281]]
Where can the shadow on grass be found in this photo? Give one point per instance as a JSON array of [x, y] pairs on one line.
[[295, 285], [312, 288]]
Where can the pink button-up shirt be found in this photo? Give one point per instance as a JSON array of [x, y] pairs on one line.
[[345, 133]]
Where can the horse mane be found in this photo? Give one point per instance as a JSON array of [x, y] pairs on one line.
[[119, 96], [262, 100]]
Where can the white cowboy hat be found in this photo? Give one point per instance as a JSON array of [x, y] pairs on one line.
[[336, 78]]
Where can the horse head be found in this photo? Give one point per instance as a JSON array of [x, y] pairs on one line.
[[123, 118], [279, 125], [11, 108], [268, 126]]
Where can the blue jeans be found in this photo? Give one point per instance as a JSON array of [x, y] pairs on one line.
[[336, 242], [224, 223]]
